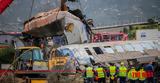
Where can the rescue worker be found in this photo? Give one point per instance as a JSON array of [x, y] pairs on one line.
[[101, 74], [149, 71], [89, 74], [132, 75], [141, 75], [122, 73], [112, 73]]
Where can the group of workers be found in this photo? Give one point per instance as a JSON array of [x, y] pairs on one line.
[[120, 74]]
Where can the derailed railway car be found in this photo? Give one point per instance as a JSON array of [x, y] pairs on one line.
[[141, 51]]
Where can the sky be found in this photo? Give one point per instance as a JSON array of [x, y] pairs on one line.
[[103, 12]]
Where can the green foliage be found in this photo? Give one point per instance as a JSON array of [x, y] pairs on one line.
[[132, 34], [125, 30], [151, 21], [6, 55]]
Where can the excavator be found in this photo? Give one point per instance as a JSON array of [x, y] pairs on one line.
[[29, 66]]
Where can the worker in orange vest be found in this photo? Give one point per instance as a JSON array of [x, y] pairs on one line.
[[150, 71], [132, 75], [141, 75]]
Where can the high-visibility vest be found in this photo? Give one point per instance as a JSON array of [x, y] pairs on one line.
[[89, 72], [132, 74], [100, 72], [141, 74], [112, 70], [149, 74], [122, 71]]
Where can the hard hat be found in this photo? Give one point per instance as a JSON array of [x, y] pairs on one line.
[[122, 63]]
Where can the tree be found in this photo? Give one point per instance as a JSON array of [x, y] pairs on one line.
[[125, 30], [6, 55], [151, 21]]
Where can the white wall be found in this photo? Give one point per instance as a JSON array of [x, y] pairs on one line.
[[148, 34]]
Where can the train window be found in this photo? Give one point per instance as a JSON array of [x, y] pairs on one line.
[[38, 55], [106, 37], [119, 48], [88, 51], [98, 50], [152, 44], [113, 37], [108, 49], [158, 45], [146, 45], [119, 37], [128, 47], [138, 47], [58, 53], [67, 52], [27, 55]]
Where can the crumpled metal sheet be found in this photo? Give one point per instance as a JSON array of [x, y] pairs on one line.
[[47, 23], [42, 19]]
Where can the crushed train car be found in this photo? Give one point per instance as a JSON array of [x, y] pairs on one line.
[[56, 22], [142, 51]]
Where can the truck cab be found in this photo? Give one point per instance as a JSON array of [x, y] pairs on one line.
[[30, 58]]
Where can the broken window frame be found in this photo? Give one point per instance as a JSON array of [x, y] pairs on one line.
[[37, 54], [109, 49], [128, 47], [88, 51], [98, 50], [138, 47], [146, 45], [67, 52], [119, 48]]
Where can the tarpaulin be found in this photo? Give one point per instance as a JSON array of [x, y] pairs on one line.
[[4, 4]]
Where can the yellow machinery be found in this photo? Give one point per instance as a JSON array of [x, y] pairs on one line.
[[31, 66], [56, 59]]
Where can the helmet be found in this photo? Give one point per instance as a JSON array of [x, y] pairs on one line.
[[122, 63]]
